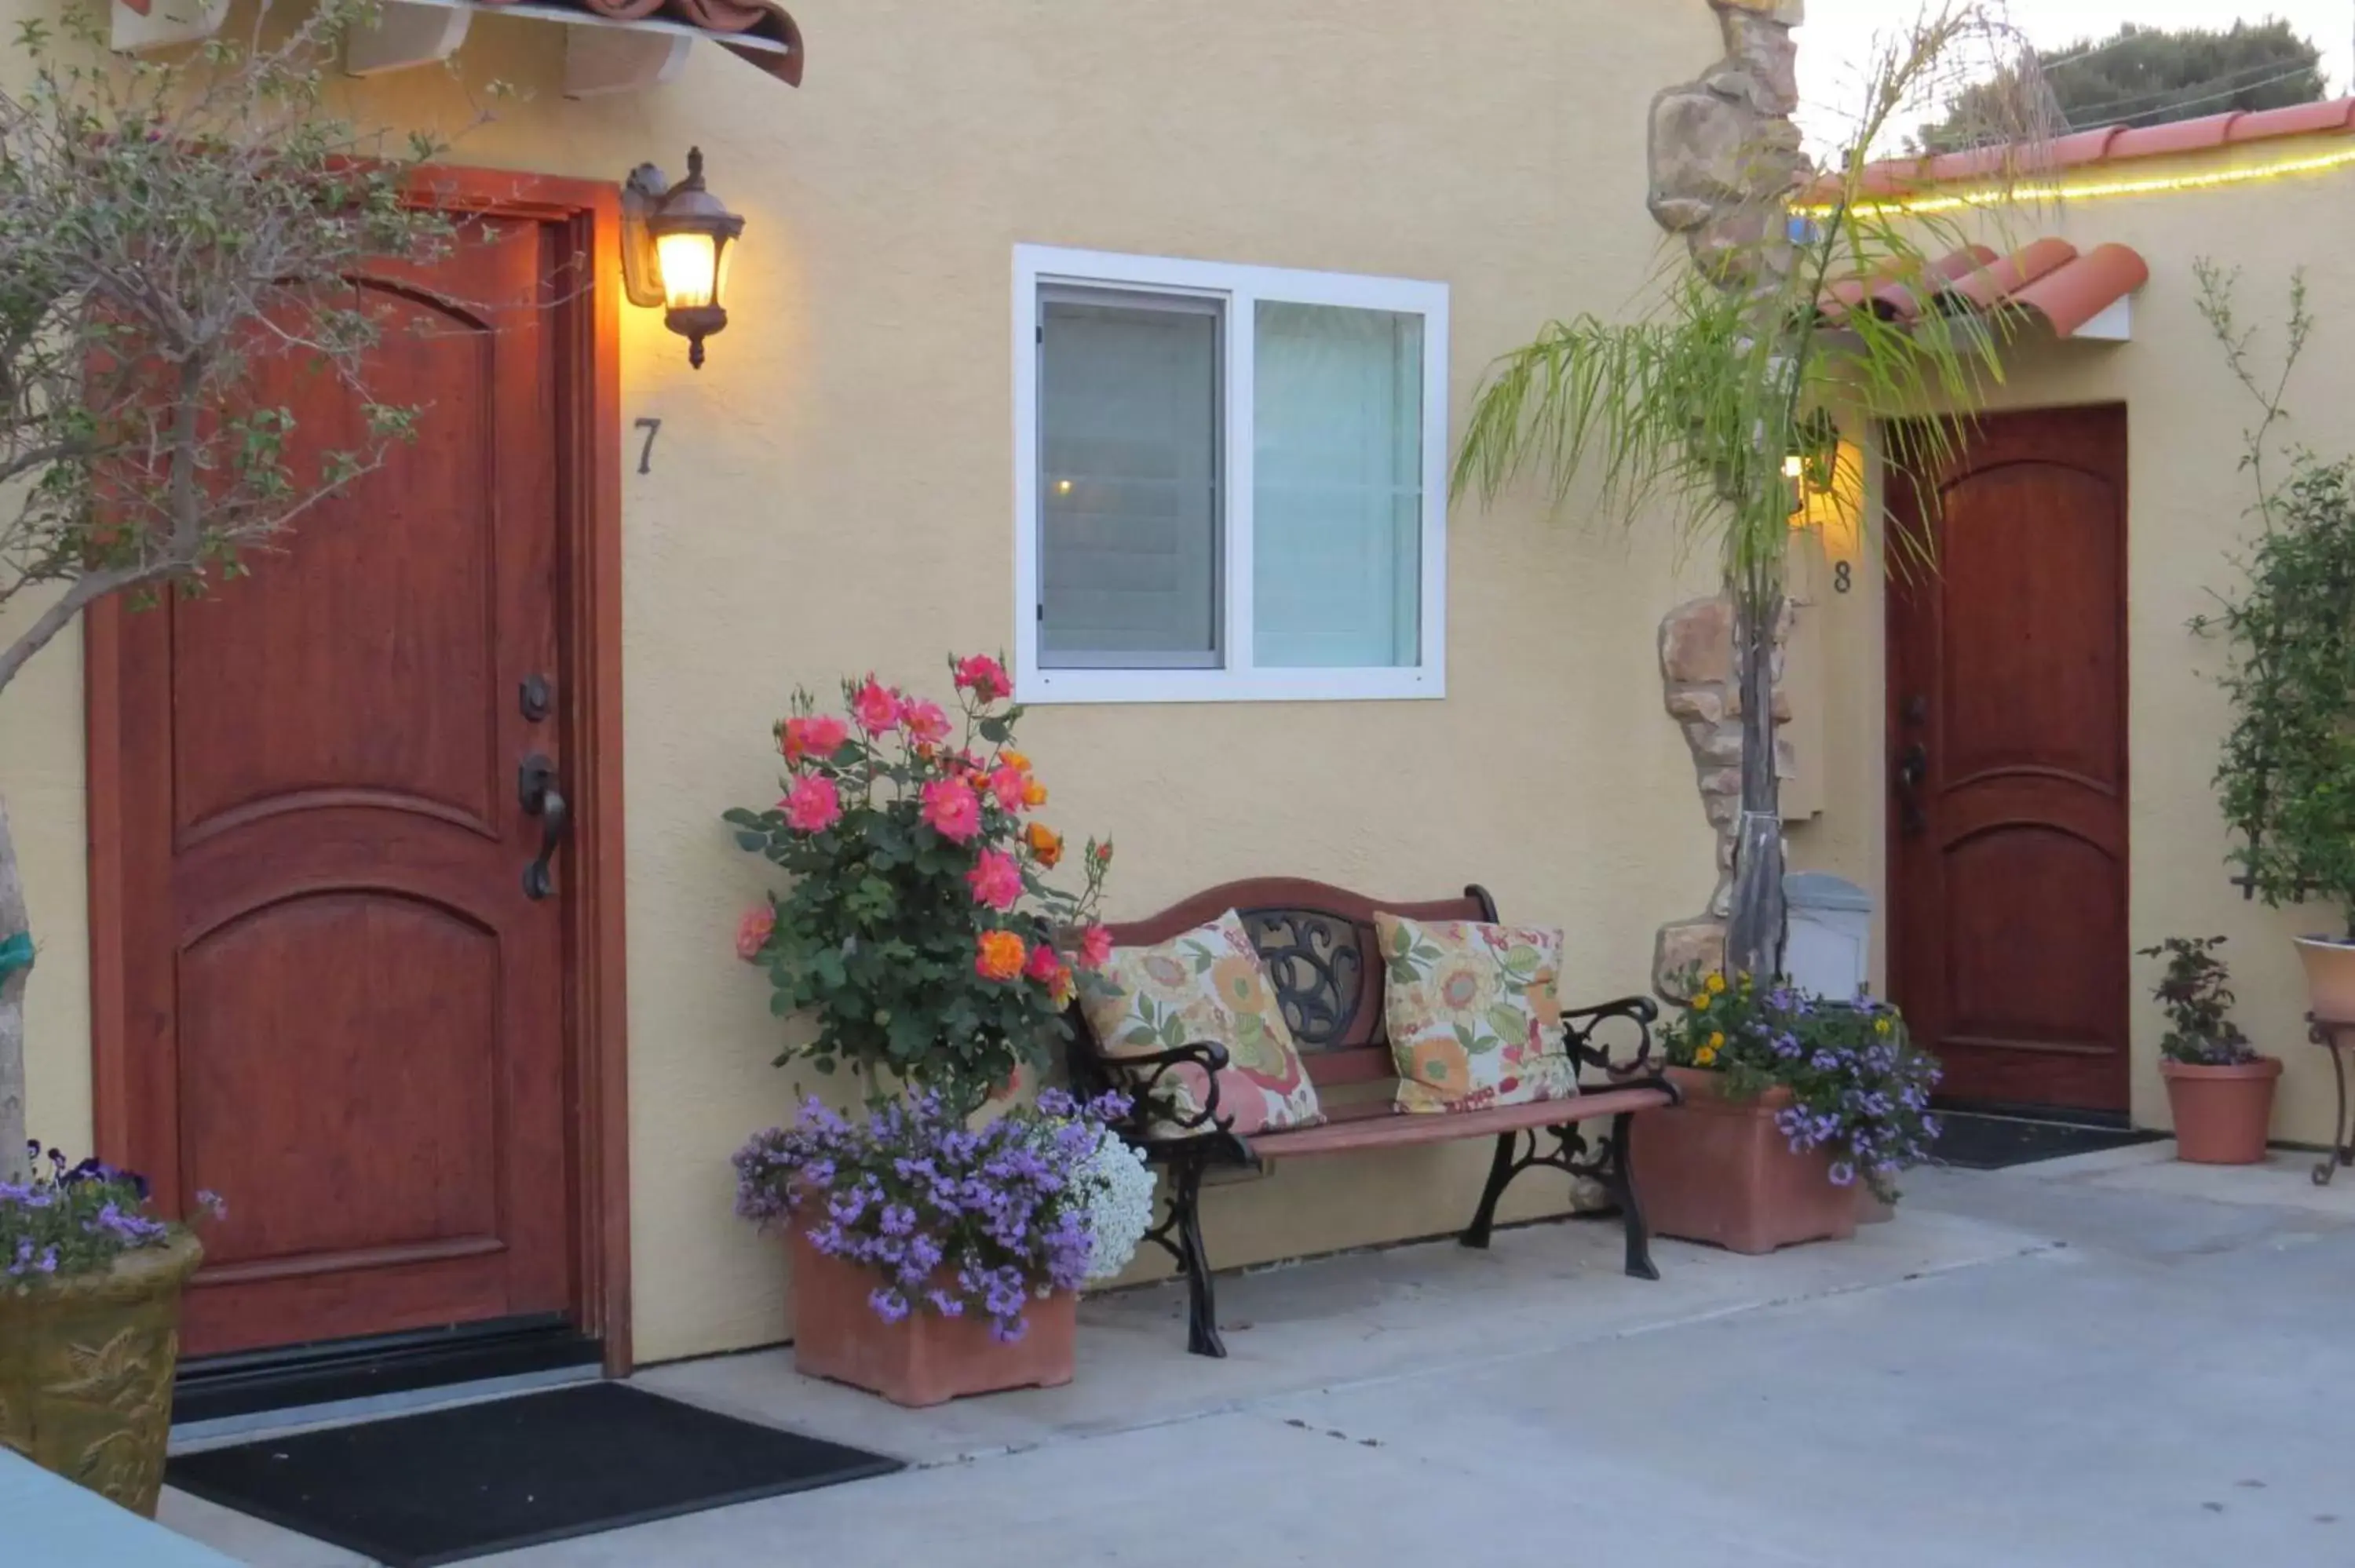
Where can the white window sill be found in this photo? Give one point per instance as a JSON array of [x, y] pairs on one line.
[[1044, 687]]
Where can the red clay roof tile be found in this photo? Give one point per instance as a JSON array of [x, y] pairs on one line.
[[2109, 144], [2049, 277]]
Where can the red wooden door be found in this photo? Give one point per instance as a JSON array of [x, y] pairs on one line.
[[343, 1013], [2008, 763]]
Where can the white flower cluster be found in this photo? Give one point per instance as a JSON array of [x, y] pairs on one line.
[[1118, 1185]]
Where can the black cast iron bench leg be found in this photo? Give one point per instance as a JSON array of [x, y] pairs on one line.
[[1501, 1171], [1202, 1307], [1623, 1188]]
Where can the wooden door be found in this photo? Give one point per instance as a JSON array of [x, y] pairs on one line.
[[2008, 763], [341, 1009]]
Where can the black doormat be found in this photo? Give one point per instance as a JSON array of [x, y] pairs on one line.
[[451, 1484], [1978, 1142]]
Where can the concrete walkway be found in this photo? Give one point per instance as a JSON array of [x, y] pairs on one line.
[[2111, 1360]]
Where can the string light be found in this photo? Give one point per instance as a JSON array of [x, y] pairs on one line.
[[2090, 190]]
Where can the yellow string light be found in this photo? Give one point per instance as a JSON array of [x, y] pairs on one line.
[[2093, 190]]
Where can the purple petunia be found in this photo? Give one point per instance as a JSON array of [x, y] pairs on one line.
[[950, 1217]]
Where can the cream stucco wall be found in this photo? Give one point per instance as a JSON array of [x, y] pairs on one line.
[[833, 492], [2188, 505]]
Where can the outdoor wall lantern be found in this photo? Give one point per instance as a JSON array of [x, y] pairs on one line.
[[677, 242]]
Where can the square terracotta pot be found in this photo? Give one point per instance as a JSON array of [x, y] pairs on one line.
[[1715, 1169], [923, 1359]]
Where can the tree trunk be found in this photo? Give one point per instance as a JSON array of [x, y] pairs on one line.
[[16, 968], [1753, 943]]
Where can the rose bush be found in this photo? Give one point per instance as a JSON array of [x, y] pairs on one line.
[[920, 933]]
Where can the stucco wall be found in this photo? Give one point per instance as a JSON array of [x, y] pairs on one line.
[[833, 493], [2188, 505]]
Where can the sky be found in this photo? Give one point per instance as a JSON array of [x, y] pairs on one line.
[[1836, 44]]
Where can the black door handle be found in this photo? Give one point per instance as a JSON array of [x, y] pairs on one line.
[[535, 789], [1912, 767]]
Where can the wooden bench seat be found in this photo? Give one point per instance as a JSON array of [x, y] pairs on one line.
[[1325, 965]]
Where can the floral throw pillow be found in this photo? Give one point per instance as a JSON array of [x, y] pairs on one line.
[[1473, 1014], [1205, 986]]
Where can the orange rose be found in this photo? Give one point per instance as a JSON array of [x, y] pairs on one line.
[[1000, 956], [1033, 792], [1015, 759], [1046, 845]]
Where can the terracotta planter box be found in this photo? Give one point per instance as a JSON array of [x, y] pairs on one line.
[[923, 1359], [1715, 1169], [2221, 1114], [86, 1367]]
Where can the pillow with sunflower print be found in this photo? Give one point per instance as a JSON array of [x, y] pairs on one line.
[[1205, 986], [1473, 1014]]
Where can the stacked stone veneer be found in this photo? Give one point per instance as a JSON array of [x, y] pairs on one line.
[[1725, 158], [1704, 697], [1725, 151]]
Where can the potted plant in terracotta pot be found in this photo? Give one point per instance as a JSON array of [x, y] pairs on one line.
[[2220, 1090], [933, 1258], [90, 1316], [921, 945], [1793, 1107]]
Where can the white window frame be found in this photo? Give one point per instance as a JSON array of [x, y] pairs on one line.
[[1240, 287]]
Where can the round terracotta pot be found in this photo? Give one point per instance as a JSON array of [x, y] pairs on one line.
[[86, 1367], [2221, 1114], [2329, 977]]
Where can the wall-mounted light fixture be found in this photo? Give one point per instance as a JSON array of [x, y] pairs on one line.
[[677, 243]]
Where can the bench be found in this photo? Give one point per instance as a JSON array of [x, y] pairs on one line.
[[1324, 966]]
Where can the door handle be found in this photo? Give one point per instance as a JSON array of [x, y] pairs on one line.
[[535, 789], [1912, 769]]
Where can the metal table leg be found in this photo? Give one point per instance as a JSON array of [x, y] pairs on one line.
[[2342, 1134]]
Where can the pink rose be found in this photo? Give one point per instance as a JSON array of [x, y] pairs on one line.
[[812, 805], [752, 932], [925, 721], [951, 809], [875, 706], [985, 677], [997, 881], [819, 737], [1008, 785], [1044, 965], [1096, 947]]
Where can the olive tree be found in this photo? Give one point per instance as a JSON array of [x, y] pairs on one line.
[[166, 225]]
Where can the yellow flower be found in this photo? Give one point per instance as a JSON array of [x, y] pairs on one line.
[[1716, 1042], [1700, 1002], [1717, 985], [1705, 1056], [1880, 1026]]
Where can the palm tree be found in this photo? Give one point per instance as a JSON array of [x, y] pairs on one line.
[[1747, 360]]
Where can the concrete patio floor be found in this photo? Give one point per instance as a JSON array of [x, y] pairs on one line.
[[2107, 1360]]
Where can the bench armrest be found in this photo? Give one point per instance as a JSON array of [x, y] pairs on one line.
[[1583, 1028], [1141, 1077]]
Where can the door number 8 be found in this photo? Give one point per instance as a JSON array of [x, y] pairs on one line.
[[1843, 578]]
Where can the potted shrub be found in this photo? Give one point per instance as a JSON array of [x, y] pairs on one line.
[[2220, 1090], [931, 1258], [90, 1316], [1793, 1107], [2286, 779], [929, 955]]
